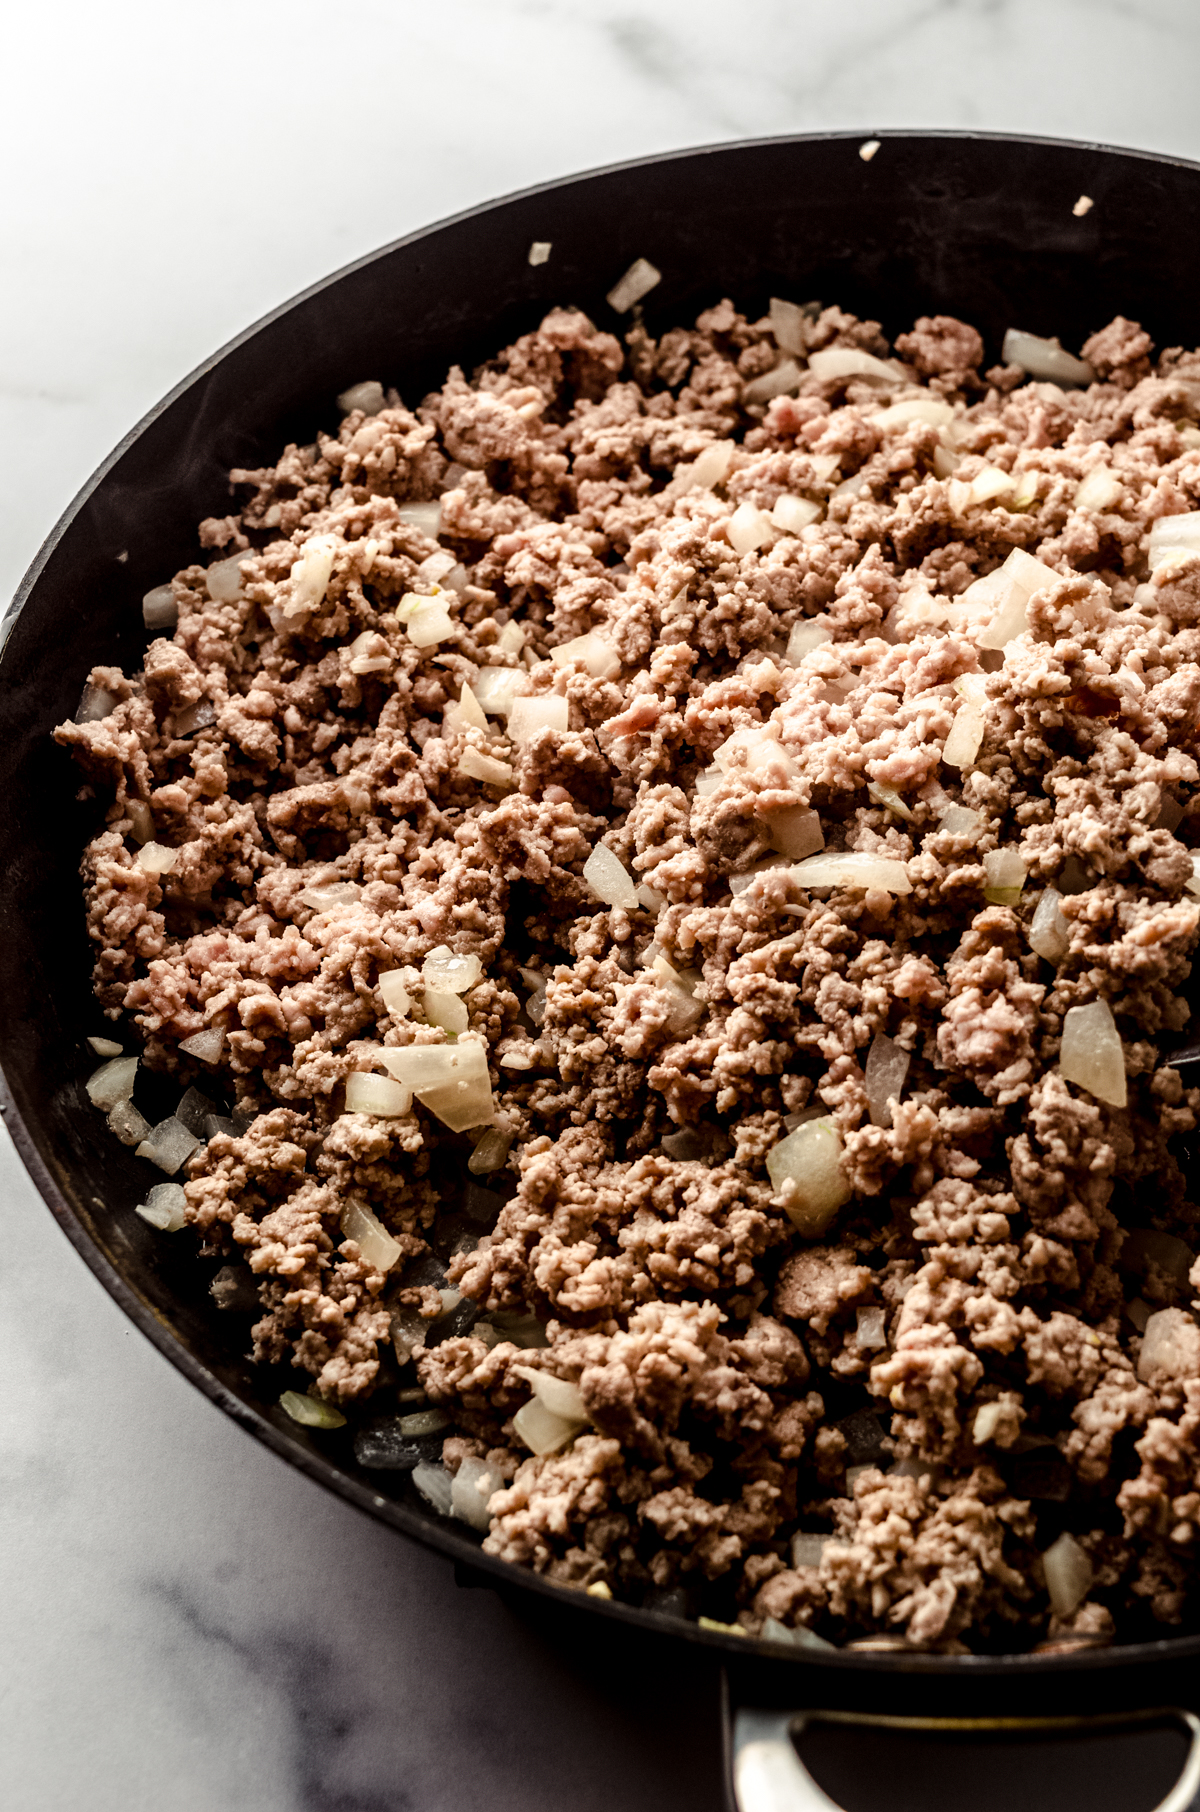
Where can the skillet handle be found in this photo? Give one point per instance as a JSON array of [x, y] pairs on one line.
[[769, 1776]]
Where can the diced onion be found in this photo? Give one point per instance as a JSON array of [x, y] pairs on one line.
[[594, 649], [779, 382], [853, 869], [169, 1145], [394, 994], [467, 713], [367, 396], [112, 1082], [160, 608], [164, 1208], [1093, 1056], [539, 252], [223, 580], [869, 1332], [883, 1076], [205, 1046], [637, 282], [140, 819], [497, 687], [435, 1485], [1100, 490], [1174, 536], [427, 517], [966, 734], [739, 883], [311, 1411], [795, 831], [1005, 876], [375, 1243], [426, 619], [789, 325], [1007, 592], [705, 472], [94, 704], [960, 821], [806, 1171], [748, 528], [546, 711], [474, 1483], [451, 1080], [1044, 359], [446, 1010], [609, 879], [807, 634], [838, 362], [311, 574], [106, 1047], [491, 1153], [473, 764], [451, 974], [791, 514], [541, 1430], [916, 409], [991, 482], [1069, 1575], [325, 896], [381, 1095], [891, 799], [807, 1550], [560, 1397], [1049, 932], [511, 640], [685, 1010], [126, 1124], [1170, 1346]]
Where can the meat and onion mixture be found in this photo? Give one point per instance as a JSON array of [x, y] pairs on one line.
[[663, 877]]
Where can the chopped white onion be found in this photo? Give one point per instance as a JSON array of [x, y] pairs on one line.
[[594, 649], [838, 362], [779, 382], [112, 1082], [791, 514], [609, 879], [1170, 1346], [748, 528], [806, 1171], [852, 868], [1044, 359], [140, 819], [891, 799], [165, 1208], [795, 831], [374, 1242], [807, 1550], [205, 1046], [449, 973], [473, 764], [194, 717], [446, 1010], [739, 883], [169, 1145], [1173, 537], [966, 734], [960, 821], [436, 1486], [497, 687], [326, 896], [539, 251], [311, 574], [1100, 490], [637, 282], [311, 1411], [160, 608], [789, 325], [916, 409], [541, 1430], [426, 619], [1049, 932], [1005, 875], [685, 1009], [807, 634], [94, 704], [546, 711], [650, 898], [223, 579], [467, 713], [511, 640], [884, 1075], [1005, 594], [451, 1080], [474, 1483], [394, 994], [869, 1331], [1069, 1575], [992, 482], [367, 396], [1093, 1056], [106, 1047], [381, 1095], [705, 472], [560, 1397], [427, 517], [491, 1152], [126, 1124]]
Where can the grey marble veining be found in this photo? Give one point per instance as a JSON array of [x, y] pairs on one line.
[[188, 1625]]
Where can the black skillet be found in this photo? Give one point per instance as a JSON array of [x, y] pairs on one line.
[[981, 227]]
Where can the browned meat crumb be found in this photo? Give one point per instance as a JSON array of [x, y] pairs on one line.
[[958, 1367]]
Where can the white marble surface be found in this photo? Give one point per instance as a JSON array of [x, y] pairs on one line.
[[188, 1625]]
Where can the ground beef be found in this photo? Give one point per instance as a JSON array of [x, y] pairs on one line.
[[874, 1429]]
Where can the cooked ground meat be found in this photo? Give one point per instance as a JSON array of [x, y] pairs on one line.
[[990, 1342]]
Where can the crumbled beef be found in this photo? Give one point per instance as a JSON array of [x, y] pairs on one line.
[[337, 806]]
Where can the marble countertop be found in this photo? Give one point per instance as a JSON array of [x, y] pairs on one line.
[[189, 1624]]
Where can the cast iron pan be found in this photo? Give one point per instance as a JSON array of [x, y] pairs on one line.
[[981, 227]]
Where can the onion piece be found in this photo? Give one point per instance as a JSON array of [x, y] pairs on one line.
[[160, 608], [394, 994], [446, 1010], [990, 483], [915, 409], [169, 1145], [126, 1124], [1100, 490], [474, 1483], [840, 362], [1005, 876], [594, 649], [379, 1095], [164, 1208], [1092, 1055], [112, 1082], [311, 1411], [1044, 359], [1069, 1575], [473, 764], [1049, 932], [426, 619], [374, 1242], [449, 973], [95, 703], [748, 528], [884, 1075], [966, 734], [435, 1485], [739, 883], [792, 514], [106, 1047], [609, 879], [139, 816], [795, 831], [638, 281], [427, 517], [451, 1080], [1005, 594], [869, 1330], [1170, 1346], [560, 1397], [497, 687], [807, 1550], [960, 821], [807, 634], [685, 1009], [709, 469], [539, 253], [156, 859], [311, 574], [852, 868], [467, 713], [490, 1153], [779, 382], [205, 1046], [223, 580], [546, 711], [806, 1171], [891, 799], [789, 326], [541, 1430], [326, 896], [367, 396]]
